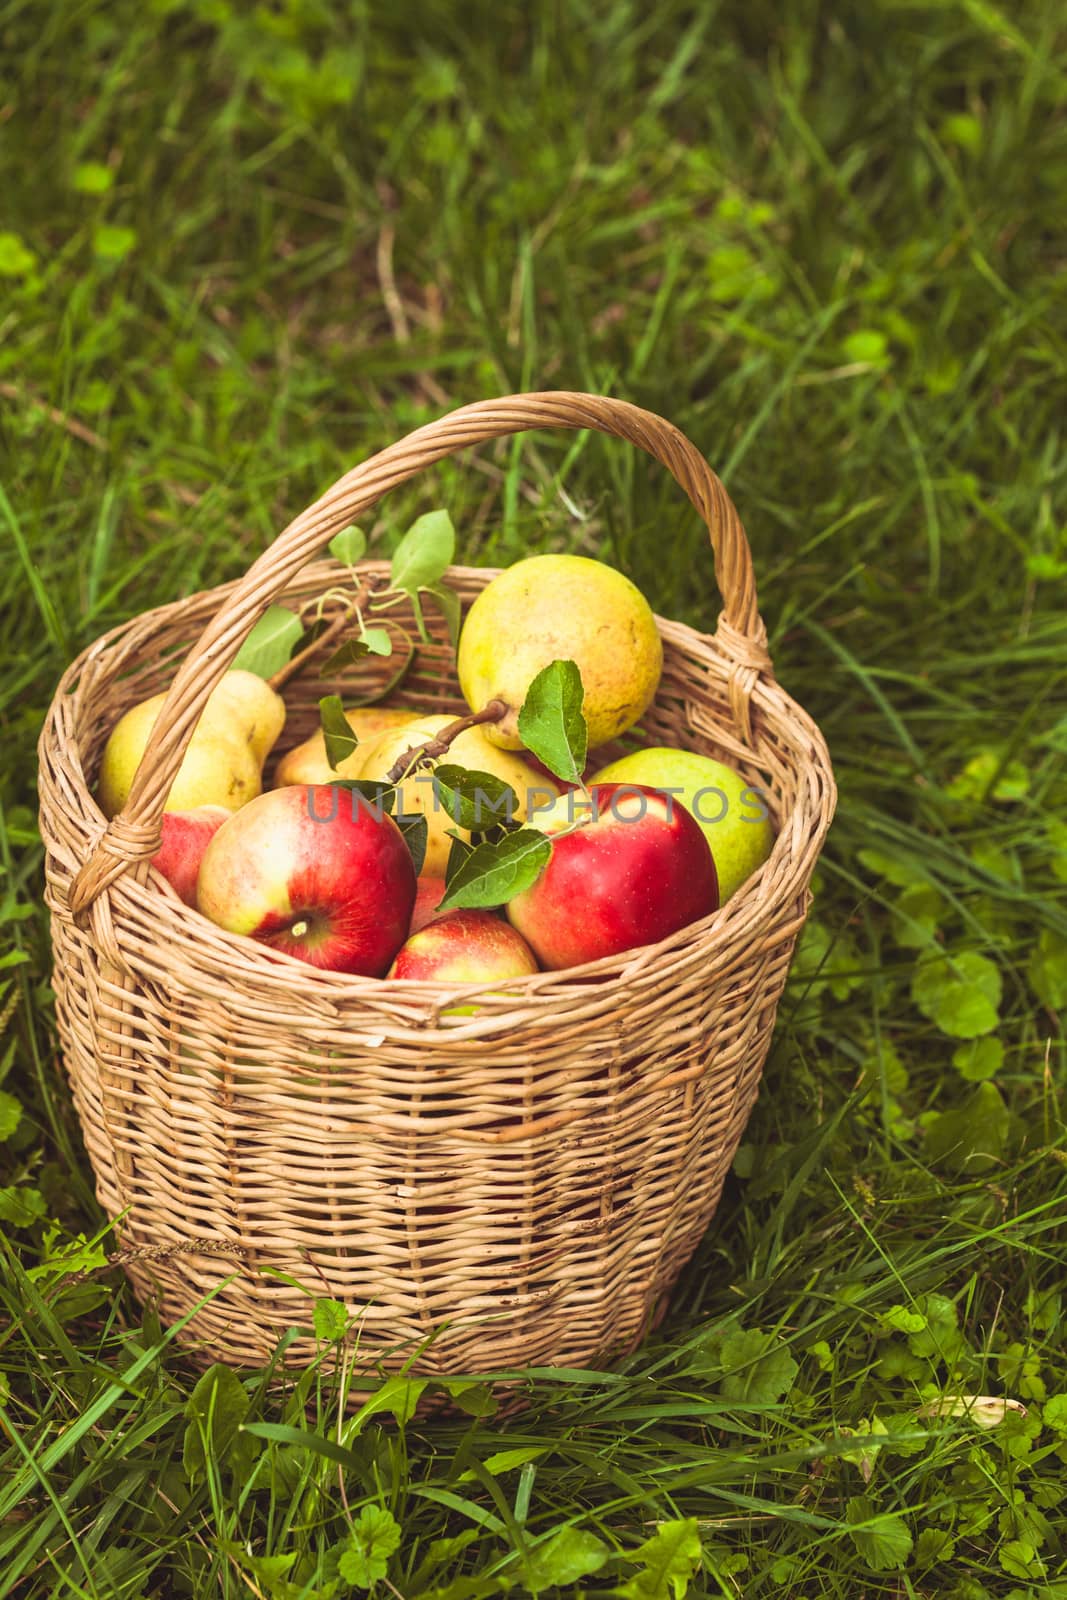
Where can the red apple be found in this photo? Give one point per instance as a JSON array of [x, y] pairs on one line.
[[636, 870], [316, 871], [464, 947], [186, 835], [429, 892]]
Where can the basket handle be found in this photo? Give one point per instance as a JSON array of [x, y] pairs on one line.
[[133, 834]]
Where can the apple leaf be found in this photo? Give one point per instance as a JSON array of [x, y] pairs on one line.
[[424, 553], [346, 655], [340, 740], [492, 874], [474, 800], [349, 545], [448, 600], [551, 723], [379, 641], [459, 850], [270, 644], [415, 829]]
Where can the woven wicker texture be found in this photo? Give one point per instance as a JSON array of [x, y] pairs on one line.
[[518, 1186]]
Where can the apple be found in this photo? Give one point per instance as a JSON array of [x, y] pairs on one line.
[[314, 870], [732, 813], [186, 835], [632, 870], [465, 947], [429, 892]]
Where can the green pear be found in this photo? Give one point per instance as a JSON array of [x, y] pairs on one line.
[[223, 763], [561, 608], [730, 810]]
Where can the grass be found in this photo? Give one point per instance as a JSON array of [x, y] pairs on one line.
[[244, 247]]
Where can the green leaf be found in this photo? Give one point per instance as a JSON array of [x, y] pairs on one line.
[[933, 1545], [1054, 1413], [987, 777], [398, 1396], [346, 655], [10, 1114], [669, 1560], [509, 1460], [492, 874], [92, 177], [330, 1318], [378, 641], [214, 1412], [449, 602], [979, 1059], [474, 800], [20, 1207], [901, 873], [416, 830], [424, 553], [960, 993], [881, 1538], [270, 644], [755, 1367], [269, 1568], [1056, 834], [1047, 970], [902, 1319], [1019, 1557], [112, 243], [563, 1558], [17, 260], [973, 1137], [349, 545], [551, 723], [866, 345], [917, 916], [375, 1535], [341, 742]]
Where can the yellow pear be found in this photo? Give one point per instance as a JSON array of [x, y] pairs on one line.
[[561, 608], [307, 763], [223, 763], [471, 749], [246, 702]]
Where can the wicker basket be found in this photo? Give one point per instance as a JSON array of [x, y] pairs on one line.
[[519, 1186]]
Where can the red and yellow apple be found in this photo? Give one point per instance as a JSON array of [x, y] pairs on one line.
[[634, 870], [316, 871], [186, 836], [465, 947]]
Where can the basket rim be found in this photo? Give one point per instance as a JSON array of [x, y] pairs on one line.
[[734, 924]]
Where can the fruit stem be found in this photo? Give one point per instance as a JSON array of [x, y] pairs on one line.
[[368, 588], [494, 711]]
